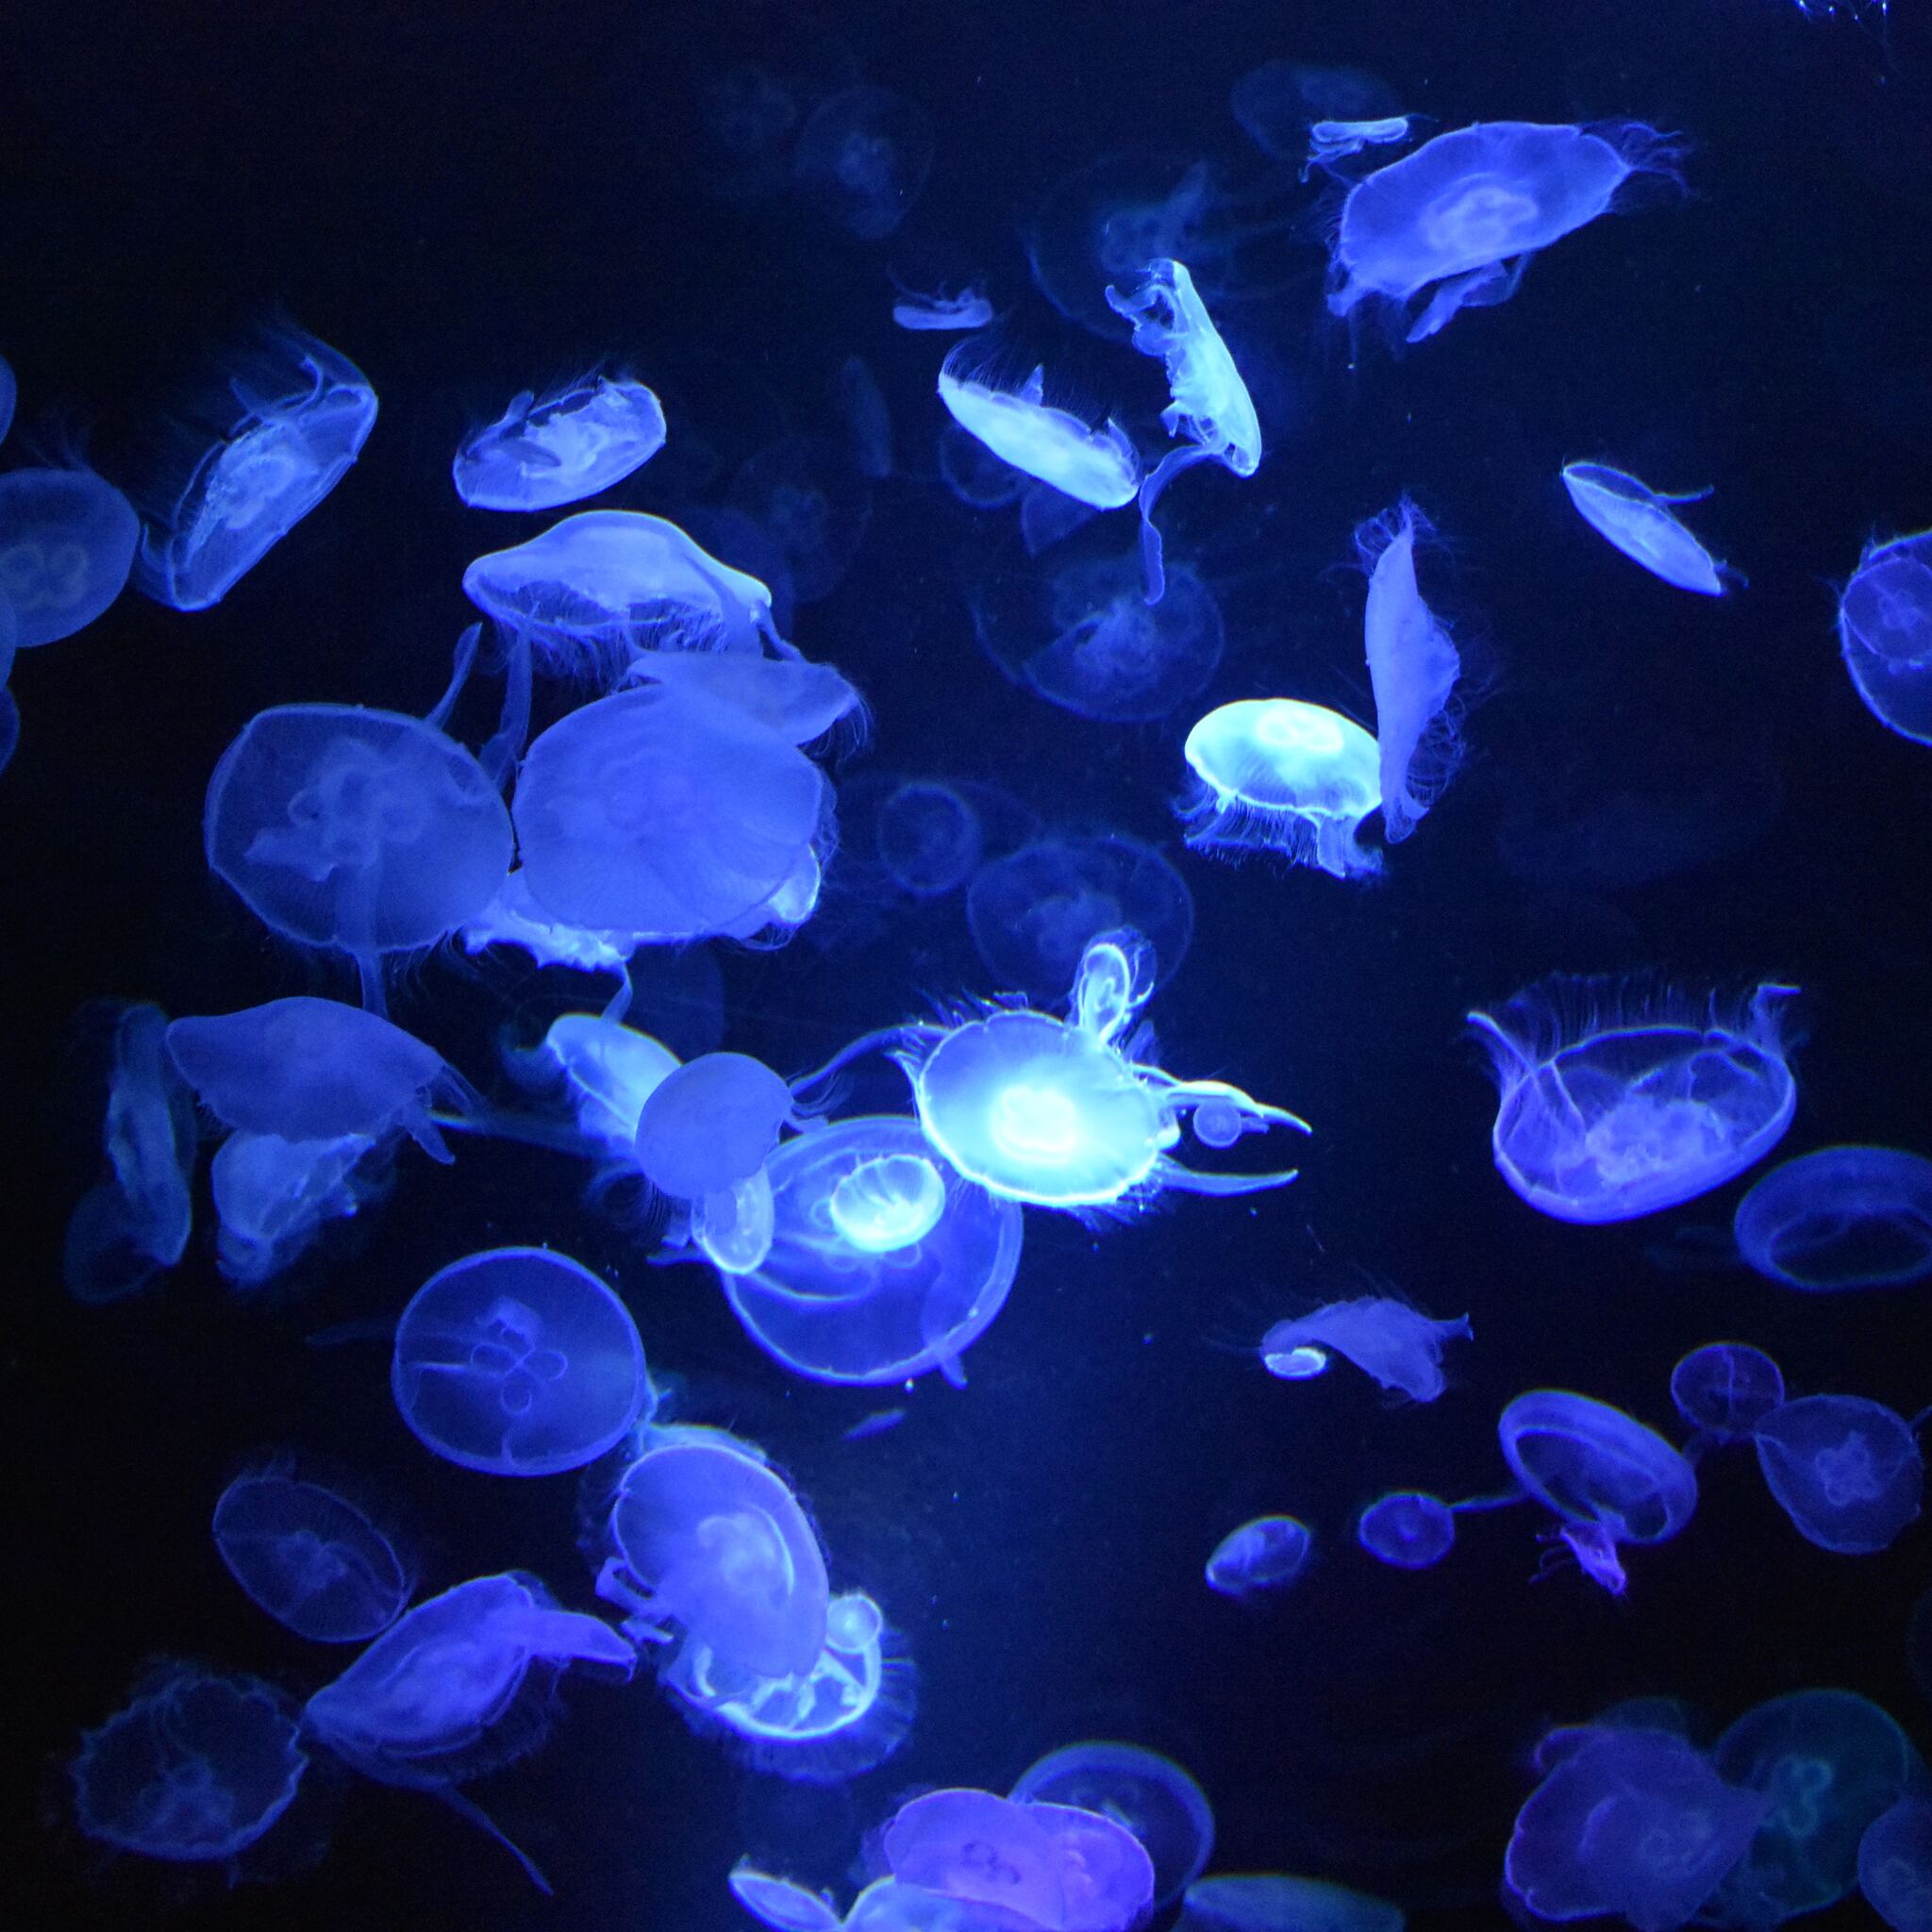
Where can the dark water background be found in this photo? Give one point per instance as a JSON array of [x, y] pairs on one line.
[[468, 198]]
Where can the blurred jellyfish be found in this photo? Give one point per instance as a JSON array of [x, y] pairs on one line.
[[1622, 1097], [1847, 1472], [1267, 1553], [812, 501], [948, 315], [1637, 521], [868, 419], [1023, 428], [66, 546], [195, 1766], [272, 1196], [1276, 103], [1282, 776], [1884, 630], [973, 474], [1724, 1389], [1895, 1865], [1273, 1902], [10, 391], [748, 118], [608, 1071], [781, 1903], [1400, 1346], [1050, 516], [574, 440], [863, 160], [928, 838], [1407, 1529], [1841, 1218]]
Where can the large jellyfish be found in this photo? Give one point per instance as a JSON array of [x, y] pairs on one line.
[[863, 160], [1884, 630], [286, 425], [1725, 1388], [1021, 428], [1276, 1902], [1400, 1346], [1841, 1218], [1846, 1471], [1622, 1097], [66, 546], [571, 443], [1638, 521], [1265, 1554]]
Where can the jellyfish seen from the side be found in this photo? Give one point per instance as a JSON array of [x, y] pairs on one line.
[[948, 314], [1278, 103], [573, 441], [273, 1196], [607, 1070], [1724, 1389], [1400, 1346], [1277, 1901], [801, 701], [1846, 1471], [1885, 632], [781, 1903], [863, 160], [1336, 140], [1265, 1554], [1641, 523], [1840, 1218], [67, 544], [1895, 1865], [1407, 1529], [1100, 467]]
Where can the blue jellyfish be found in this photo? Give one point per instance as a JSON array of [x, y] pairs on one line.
[[195, 1766], [1400, 1346], [801, 701], [309, 1556], [518, 1362], [868, 419], [1847, 1472], [1275, 1902], [1276, 103], [1465, 211], [1034, 912], [1286, 776], [814, 504], [1725, 1388], [970, 471], [10, 728], [1049, 516], [945, 313], [1609, 1478], [710, 1123], [262, 450], [781, 1903], [1895, 1865], [863, 160], [1622, 1097], [1637, 520], [66, 546], [10, 391], [1335, 140], [928, 838], [1884, 630], [1841, 1218], [575, 440], [1413, 671], [1100, 467], [1827, 1764], [1151, 1795], [1266, 1553], [512, 918], [608, 1071], [272, 1196], [1634, 1822], [747, 120], [1407, 1529]]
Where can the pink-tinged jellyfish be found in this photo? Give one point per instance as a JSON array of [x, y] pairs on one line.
[[272, 1196], [291, 417], [196, 1766], [1100, 467], [573, 441], [1413, 671], [1841, 1218], [1725, 1388], [1846, 1471], [943, 313], [863, 160], [1895, 1865], [1267, 1553], [1275, 1902], [1884, 630], [66, 546], [1400, 1346], [781, 1903], [1281, 775], [1407, 1529], [1638, 521], [518, 1362], [1620, 1098]]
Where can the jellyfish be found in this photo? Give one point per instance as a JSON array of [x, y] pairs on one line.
[[868, 419], [781, 1903], [799, 700], [1635, 1821], [1282, 776], [195, 1766], [512, 918], [863, 160], [1620, 1098], [1266, 1553], [1023, 428], [928, 838], [1841, 1218], [1335, 140], [1407, 1529], [748, 119], [710, 1123], [309, 1556], [10, 393], [1050, 516], [1275, 1902], [577, 441], [945, 313], [1846, 1471], [1413, 669], [66, 546], [1725, 1388], [1885, 631], [272, 1196], [1400, 1346], [811, 500], [1151, 1795], [608, 1071], [1639, 521], [970, 471], [1609, 1478], [1276, 102], [1895, 1865]]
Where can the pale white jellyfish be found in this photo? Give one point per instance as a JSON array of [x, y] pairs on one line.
[[969, 310], [1637, 519], [1021, 428], [570, 444]]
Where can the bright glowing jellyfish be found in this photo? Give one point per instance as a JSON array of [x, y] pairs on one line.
[[1725, 1388], [574, 442], [1841, 1218], [1335, 140], [1847, 1472], [1639, 521], [1021, 428], [608, 1071], [710, 1123], [1407, 1529], [1885, 629], [66, 546], [1267, 1553], [1400, 1346]]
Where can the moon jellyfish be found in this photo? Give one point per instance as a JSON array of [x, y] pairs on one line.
[[1841, 1218], [310, 1557], [1021, 428], [608, 1071], [1885, 631], [778, 1903], [518, 1362], [1273, 1902], [1335, 140], [290, 419], [1622, 1097], [862, 159], [1847, 1472], [512, 918], [1407, 1529], [272, 1196], [948, 315], [799, 700], [1281, 775], [1637, 521], [809, 498], [978, 477], [1635, 1821], [1400, 1346], [574, 442], [66, 546], [196, 1766], [1264, 1554], [1895, 1865], [1725, 1388], [1275, 102], [1413, 669], [1151, 1795], [1609, 1478], [1465, 211], [709, 1123], [928, 838]]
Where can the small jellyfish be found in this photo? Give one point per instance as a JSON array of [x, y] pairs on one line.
[[1884, 630], [1267, 1553], [608, 1071], [709, 1123], [66, 546], [812, 501], [941, 312], [1895, 1865], [1407, 1529], [1725, 1388], [1282, 776], [1637, 521], [801, 701], [1335, 140], [574, 442], [781, 1903], [272, 1196], [928, 838], [863, 160], [1023, 428], [1400, 1346], [1620, 1098], [1847, 1472], [1275, 1902], [1276, 102], [1841, 1218]]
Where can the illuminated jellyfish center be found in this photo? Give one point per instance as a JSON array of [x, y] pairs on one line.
[[888, 1202]]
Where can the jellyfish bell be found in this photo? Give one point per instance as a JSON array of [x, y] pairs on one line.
[[1725, 1388], [1885, 632], [1641, 523], [575, 440], [1099, 467]]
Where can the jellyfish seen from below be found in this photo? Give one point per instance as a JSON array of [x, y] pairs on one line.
[[863, 160], [1398, 1345], [1620, 1098], [1632, 1821], [1841, 1218], [1885, 631], [1637, 520], [574, 442], [781, 1903], [1100, 467], [66, 546], [1407, 1529], [1847, 1472], [1281, 775], [272, 1196], [1895, 1865], [928, 838], [948, 315], [1275, 1902], [194, 1767], [291, 417], [309, 1556], [1267, 1553], [1725, 1388], [810, 499], [518, 1362]]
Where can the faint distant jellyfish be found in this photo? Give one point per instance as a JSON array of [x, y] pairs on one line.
[[863, 160], [747, 118], [66, 545], [1273, 1902], [928, 838], [1407, 1529], [1841, 1218], [8, 393], [518, 1362], [1725, 1388], [1264, 1554], [973, 474], [950, 314], [574, 442], [1099, 466], [272, 1196], [1282, 776], [1398, 1345], [1895, 1865], [868, 418], [196, 1766], [1847, 1472], [1050, 516], [1885, 631], [778, 1903], [811, 500], [290, 419], [1620, 1098], [1637, 521]]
